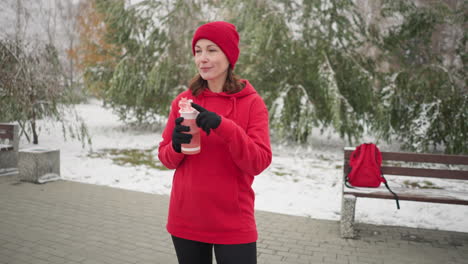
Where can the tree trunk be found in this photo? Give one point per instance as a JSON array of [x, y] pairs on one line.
[[23, 130], [33, 127]]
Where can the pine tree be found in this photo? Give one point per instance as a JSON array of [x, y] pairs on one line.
[[317, 64], [425, 98]]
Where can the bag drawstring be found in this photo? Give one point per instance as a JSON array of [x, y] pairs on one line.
[[394, 194]]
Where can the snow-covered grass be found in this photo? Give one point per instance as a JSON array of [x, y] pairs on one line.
[[302, 180]]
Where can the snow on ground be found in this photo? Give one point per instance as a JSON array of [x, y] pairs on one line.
[[303, 181]]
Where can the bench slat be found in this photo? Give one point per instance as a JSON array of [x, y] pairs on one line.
[[6, 126], [419, 157], [427, 173], [419, 172], [424, 157], [6, 131], [6, 134], [411, 198], [419, 195]]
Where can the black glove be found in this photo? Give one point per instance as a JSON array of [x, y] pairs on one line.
[[206, 120], [178, 137]]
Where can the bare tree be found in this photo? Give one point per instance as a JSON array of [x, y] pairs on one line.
[[33, 83]]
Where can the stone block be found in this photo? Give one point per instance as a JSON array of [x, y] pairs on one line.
[[348, 206], [39, 165]]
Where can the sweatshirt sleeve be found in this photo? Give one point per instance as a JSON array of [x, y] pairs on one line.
[[166, 153], [250, 149]]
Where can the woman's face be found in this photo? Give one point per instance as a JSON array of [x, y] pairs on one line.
[[211, 61]]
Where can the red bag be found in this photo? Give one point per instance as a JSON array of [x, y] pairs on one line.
[[366, 163]]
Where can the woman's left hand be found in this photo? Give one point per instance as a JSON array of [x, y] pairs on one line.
[[206, 120]]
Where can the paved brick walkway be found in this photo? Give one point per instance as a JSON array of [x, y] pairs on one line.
[[69, 222]]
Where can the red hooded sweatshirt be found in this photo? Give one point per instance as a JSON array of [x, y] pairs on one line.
[[212, 200]]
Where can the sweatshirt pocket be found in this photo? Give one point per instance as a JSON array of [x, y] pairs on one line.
[[212, 204]]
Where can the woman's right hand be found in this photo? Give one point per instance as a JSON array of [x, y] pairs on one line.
[[178, 137]]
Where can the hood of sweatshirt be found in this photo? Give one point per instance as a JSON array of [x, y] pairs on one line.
[[229, 100]]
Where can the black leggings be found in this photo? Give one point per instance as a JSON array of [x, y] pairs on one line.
[[194, 252]]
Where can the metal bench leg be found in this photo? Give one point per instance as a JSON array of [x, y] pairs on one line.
[[347, 216]]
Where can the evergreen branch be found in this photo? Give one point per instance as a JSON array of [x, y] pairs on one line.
[[340, 96], [445, 70]]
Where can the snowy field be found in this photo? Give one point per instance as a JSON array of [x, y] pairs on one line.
[[303, 181]]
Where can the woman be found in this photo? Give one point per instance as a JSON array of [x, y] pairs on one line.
[[212, 201]]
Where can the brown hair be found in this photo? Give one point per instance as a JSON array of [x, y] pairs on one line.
[[232, 85]]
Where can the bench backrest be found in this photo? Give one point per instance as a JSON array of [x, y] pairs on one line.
[[408, 169], [6, 131]]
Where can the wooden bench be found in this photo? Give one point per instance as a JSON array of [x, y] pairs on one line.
[[6, 137], [9, 146], [406, 165]]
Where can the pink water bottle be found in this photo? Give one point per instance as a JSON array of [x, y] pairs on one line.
[[190, 115]]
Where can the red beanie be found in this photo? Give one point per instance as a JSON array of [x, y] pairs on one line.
[[224, 35]]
